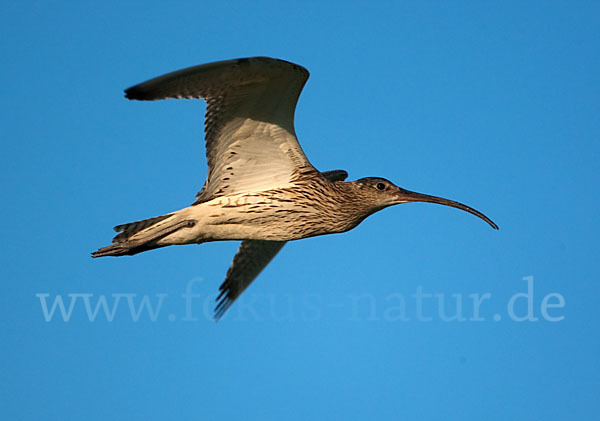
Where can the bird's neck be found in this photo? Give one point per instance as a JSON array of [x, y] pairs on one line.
[[351, 204]]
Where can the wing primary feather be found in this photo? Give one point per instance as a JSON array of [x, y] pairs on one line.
[[252, 257]]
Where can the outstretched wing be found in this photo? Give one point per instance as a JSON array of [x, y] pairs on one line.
[[251, 144], [251, 258]]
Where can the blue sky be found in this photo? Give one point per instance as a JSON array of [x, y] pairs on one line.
[[495, 105]]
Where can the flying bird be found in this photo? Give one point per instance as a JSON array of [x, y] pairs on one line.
[[261, 188]]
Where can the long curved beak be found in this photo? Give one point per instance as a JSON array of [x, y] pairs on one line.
[[405, 196]]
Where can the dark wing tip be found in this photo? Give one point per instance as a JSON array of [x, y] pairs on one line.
[[225, 301], [249, 261], [135, 92]]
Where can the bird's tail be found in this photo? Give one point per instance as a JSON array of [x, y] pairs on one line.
[[136, 237]]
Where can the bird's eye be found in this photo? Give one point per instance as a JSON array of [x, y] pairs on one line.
[[380, 186]]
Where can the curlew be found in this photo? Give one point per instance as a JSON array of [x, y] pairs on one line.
[[261, 188]]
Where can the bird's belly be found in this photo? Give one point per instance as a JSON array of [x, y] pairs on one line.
[[248, 217]]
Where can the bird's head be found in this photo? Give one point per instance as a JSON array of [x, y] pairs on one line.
[[382, 193]]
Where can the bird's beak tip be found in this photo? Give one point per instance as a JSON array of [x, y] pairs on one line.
[[409, 196]]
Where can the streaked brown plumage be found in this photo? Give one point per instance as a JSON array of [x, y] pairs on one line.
[[260, 187]]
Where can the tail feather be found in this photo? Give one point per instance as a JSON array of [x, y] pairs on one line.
[[122, 249], [127, 243], [127, 230]]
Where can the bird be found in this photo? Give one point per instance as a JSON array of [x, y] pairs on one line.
[[260, 187]]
